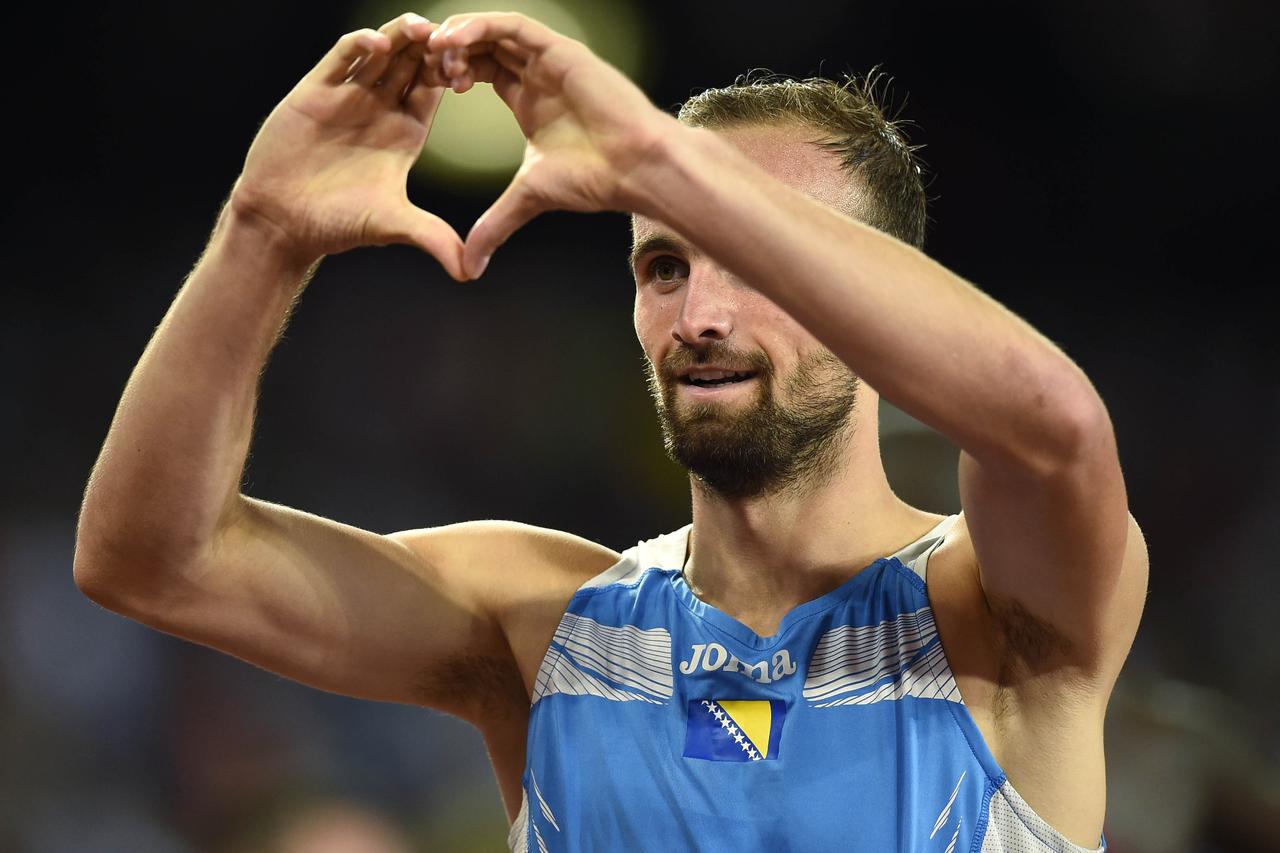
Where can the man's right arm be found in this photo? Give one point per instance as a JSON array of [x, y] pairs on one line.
[[165, 535], [167, 538]]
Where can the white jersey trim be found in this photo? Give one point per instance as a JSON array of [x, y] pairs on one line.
[[916, 555], [587, 658], [1013, 826], [662, 552], [518, 834], [865, 664], [667, 552]]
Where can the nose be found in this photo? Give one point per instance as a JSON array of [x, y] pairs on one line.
[[707, 309]]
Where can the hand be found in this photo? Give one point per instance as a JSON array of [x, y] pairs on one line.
[[329, 167], [588, 127]]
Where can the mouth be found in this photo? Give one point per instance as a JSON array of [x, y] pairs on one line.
[[712, 387]]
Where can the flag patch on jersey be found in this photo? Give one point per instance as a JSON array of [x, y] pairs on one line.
[[734, 729]]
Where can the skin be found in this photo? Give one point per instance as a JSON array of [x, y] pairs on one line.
[[1036, 592]]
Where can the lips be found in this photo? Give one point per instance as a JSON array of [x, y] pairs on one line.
[[712, 376], [715, 378], [715, 388]]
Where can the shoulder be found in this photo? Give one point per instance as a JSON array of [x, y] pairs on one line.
[[518, 576], [1022, 677], [505, 563], [1037, 697], [1030, 644]]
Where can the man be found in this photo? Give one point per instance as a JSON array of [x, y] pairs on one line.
[[810, 664]]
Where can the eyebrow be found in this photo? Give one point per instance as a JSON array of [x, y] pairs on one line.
[[655, 243]]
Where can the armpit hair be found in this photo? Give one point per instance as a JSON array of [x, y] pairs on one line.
[[1029, 646], [474, 687]]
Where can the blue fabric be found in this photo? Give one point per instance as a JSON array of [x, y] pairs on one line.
[[621, 757]]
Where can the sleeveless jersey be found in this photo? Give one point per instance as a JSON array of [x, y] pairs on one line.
[[660, 723]]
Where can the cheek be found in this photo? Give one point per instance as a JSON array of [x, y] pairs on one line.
[[648, 325]]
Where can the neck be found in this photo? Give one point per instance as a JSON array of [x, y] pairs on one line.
[[758, 558]]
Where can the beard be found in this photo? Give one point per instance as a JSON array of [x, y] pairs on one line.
[[758, 447]]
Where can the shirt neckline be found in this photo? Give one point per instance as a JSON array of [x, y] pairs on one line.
[[744, 634]]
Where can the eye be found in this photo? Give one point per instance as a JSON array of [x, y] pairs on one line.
[[667, 270]]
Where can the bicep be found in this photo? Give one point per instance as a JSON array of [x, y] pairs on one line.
[[327, 604], [1062, 563]]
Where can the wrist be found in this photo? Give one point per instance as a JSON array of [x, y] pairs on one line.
[[675, 157], [240, 228]]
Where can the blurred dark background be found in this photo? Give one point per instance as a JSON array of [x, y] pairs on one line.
[[1105, 170]]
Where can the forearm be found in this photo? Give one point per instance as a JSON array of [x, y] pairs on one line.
[[923, 337], [172, 461]]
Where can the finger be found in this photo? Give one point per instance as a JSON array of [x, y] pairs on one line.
[[515, 207], [483, 69], [432, 73], [514, 50], [423, 98], [401, 73], [514, 61], [401, 31], [454, 61], [348, 51], [507, 86], [416, 227], [464, 30]]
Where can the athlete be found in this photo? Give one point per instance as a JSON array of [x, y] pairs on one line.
[[810, 664]]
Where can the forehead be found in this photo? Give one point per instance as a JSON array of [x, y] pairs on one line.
[[789, 153]]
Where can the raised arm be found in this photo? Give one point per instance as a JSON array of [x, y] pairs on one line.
[[1061, 564], [165, 535], [1059, 560]]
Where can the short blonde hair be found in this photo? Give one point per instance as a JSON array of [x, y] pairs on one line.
[[872, 147]]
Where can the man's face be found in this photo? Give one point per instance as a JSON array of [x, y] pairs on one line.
[[784, 425]]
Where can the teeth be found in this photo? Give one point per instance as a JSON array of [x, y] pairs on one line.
[[712, 375]]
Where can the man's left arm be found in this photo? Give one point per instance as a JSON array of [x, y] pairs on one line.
[[1041, 485], [1061, 562]]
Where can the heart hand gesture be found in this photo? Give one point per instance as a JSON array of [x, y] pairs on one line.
[[588, 127], [328, 170]]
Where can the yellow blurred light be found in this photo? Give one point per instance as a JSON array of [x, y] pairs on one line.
[[475, 140]]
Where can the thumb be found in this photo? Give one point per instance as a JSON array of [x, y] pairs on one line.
[[515, 207], [416, 227]]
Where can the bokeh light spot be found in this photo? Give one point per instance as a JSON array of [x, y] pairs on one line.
[[475, 140]]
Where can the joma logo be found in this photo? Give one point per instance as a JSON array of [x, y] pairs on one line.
[[713, 656]]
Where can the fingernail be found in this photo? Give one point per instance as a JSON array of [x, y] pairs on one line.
[[484, 262]]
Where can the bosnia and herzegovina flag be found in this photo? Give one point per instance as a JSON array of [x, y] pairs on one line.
[[734, 730]]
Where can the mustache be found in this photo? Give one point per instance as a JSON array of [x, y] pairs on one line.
[[685, 358]]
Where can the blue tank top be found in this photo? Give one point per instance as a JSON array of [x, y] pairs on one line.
[[660, 723]]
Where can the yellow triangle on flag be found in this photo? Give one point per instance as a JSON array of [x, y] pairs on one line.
[[754, 717]]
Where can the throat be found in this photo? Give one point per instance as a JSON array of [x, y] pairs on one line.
[[759, 601]]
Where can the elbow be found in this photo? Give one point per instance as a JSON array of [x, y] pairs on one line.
[[1084, 427], [1070, 431], [92, 577], [99, 575], [117, 578], [125, 557], [89, 565]]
